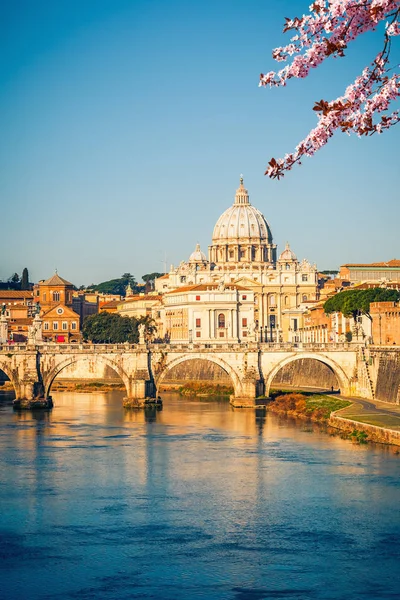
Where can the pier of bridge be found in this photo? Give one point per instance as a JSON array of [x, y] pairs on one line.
[[142, 368]]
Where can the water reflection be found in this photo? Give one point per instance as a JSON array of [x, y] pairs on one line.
[[198, 500]]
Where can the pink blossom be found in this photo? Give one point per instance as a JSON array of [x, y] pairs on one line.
[[325, 32]]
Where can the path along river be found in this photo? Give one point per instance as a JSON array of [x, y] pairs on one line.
[[196, 501]]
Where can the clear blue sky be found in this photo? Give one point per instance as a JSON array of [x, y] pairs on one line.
[[125, 125]]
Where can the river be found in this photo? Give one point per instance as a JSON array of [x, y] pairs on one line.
[[198, 500]]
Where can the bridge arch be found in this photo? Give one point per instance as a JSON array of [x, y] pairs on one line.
[[342, 378], [237, 385], [50, 375], [6, 368]]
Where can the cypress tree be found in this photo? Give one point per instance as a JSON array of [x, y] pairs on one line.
[[25, 280]]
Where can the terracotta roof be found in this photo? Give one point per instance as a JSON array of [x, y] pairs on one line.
[[15, 294], [166, 276], [68, 312], [373, 284], [21, 321], [391, 263], [206, 287], [19, 306], [55, 280], [136, 298], [111, 304]]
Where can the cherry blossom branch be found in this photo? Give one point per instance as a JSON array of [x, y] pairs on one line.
[[325, 32]]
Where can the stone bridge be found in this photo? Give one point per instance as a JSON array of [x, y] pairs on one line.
[[251, 367]]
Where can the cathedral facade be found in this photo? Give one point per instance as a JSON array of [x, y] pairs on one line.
[[242, 254]]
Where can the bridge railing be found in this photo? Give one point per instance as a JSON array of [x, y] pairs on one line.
[[59, 348]]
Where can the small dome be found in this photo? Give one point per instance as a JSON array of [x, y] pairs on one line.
[[242, 220], [197, 256], [287, 254]]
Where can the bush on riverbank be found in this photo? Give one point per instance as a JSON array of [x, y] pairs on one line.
[[87, 386], [205, 389], [315, 407]]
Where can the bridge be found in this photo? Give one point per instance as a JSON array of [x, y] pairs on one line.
[[142, 368]]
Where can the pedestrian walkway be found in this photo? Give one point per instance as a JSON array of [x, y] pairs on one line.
[[372, 412]]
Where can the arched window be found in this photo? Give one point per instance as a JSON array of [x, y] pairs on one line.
[[286, 300], [56, 296], [305, 298], [221, 320], [272, 300]]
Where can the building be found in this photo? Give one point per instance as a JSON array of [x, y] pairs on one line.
[[53, 291], [84, 305], [209, 313], [54, 296], [144, 305], [385, 323], [374, 272], [60, 324], [242, 253]]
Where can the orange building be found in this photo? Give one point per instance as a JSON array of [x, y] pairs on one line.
[[53, 291], [19, 307], [60, 322], [385, 323], [380, 271]]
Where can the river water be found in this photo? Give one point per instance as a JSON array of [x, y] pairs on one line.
[[199, 500]]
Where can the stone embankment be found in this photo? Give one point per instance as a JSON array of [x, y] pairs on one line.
[[331, 411], [374, 433]]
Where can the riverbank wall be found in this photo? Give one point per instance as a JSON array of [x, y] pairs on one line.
[[384, 366], [377, 434]]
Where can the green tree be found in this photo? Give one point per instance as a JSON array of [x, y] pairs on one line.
[[14, 278], [150, 326], [110, 328], [115, 286], [151, 276], [25, 280], [354, 303]]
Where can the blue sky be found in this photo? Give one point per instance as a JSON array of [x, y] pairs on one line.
[[126, 125]]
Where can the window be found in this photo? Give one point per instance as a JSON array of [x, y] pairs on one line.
[[242, 254], [231, 255], [198, 322], [46, 326], [305, 298], [55, 325], [64, 326], [304, 277], [221, 334], [183, 279], [244, 334], [56, 296], [272, 300], [244, 297], [198, 333], [244, 322], [287, 266], [286, 300], [221, 321], [197, 298], [44, 297], [73, 325]]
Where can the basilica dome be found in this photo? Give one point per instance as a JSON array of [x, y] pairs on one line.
[[198, 256], [287, 254], [242, 221]]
